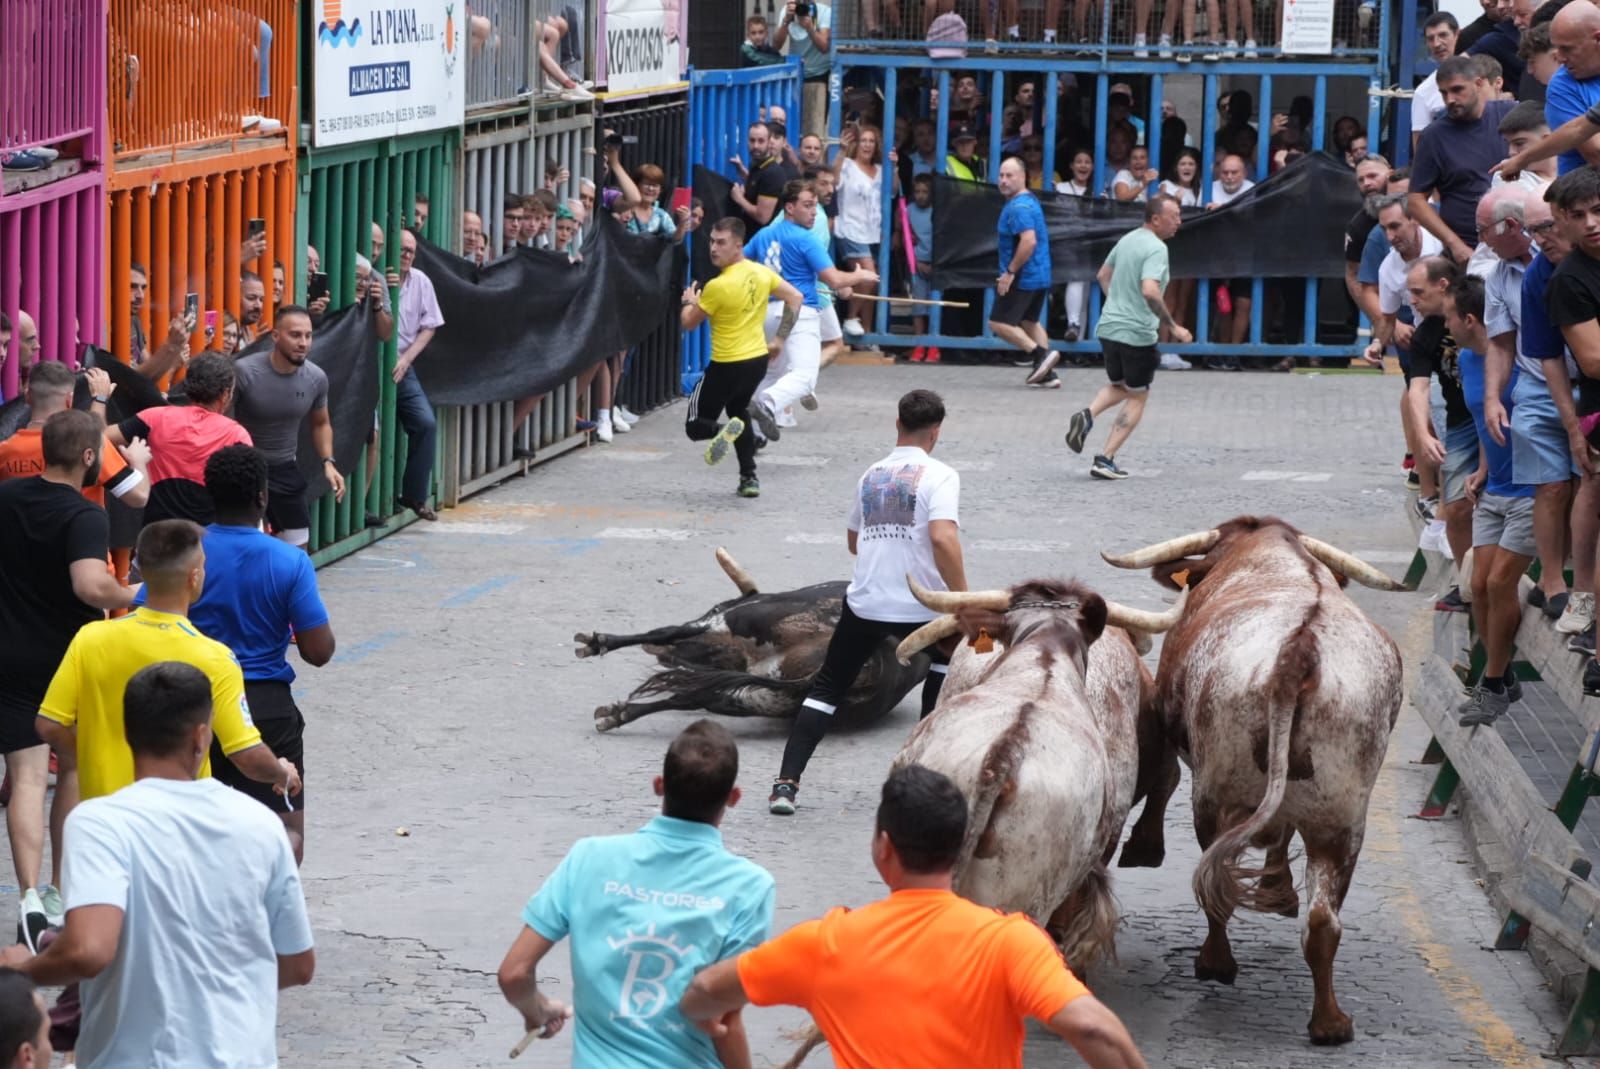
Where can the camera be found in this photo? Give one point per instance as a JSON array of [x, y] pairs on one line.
[[804, 10], [618, 140]]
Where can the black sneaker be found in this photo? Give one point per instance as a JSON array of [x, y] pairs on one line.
[[767, 420], [1536, 598], [1046, 364], [1051, 381], [1413, 480], [1583, 641], [749, 486], [1555, 605], [1451, 602], [1078, 429], [1106, 468], [1591, 678], [1424, 507], [781, 801]]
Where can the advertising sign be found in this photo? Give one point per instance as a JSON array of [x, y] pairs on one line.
[[387, 68], [643, 44]]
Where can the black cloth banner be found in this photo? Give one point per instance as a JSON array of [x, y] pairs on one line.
[[131, 393], [1290, 226], [346, 349], [530, 320], [716, 197]]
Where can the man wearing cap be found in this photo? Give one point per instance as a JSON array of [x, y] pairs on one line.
[[964, 161]]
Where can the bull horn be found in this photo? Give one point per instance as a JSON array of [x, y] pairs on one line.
[[1349, 564], [740, 577], [936, 630], [1173, 548], [951, 601], [1143, 621]]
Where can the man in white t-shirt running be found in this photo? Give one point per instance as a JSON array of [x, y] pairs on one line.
[[203, 978], [1439, 34], [904, 521]]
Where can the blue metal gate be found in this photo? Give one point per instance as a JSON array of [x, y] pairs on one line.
[[721, 105]]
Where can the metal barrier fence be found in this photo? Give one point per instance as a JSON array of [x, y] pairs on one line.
[[722, 104], [53, 74], [1297, 330], [50, 243], [565, 32], [342, 192], [481, 442], [497, 161], [1095, 27], [661, 125], [186, 231], [501, 50], [193, 72]]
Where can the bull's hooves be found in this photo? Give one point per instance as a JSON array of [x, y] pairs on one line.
[[1339, 1030], [1215, 974], [608, 718], [587, 646], [1141, 855]]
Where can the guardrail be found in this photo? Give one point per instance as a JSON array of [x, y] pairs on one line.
[[482, 443], [501, 48], [1540, 872], [53, 74]]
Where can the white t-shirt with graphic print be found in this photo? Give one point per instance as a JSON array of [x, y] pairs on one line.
[[895, 501]]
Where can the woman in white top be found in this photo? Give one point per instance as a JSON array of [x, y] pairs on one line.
[[858, 203], [1080, 177], [1182, 183], [1133, 182]]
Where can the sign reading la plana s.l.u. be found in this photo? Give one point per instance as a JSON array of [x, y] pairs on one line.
[[384, 69]]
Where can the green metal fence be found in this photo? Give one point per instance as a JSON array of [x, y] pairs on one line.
[[342, 192]]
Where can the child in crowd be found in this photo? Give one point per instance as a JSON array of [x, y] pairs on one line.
[[920, 213], [541, 206], [567, 227], [757, 51]]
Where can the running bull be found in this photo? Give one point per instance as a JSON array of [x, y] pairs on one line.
[[753, 655], [1280, 694]]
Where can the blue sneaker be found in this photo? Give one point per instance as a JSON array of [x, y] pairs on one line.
[[21, 161]]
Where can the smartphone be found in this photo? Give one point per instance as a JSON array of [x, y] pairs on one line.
[[681, 198], [211, 321], [191, 310], [257, 227], [317, 285]]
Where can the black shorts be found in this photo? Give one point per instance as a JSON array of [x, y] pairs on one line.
[[287, 507], [17, 731], [1133, 366], [283, 729], [1018, 306]]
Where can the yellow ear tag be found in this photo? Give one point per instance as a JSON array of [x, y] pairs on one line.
[[983, 643], [1181, 578]]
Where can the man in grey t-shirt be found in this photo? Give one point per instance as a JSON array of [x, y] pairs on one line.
[[1134, 280], [275, 391]]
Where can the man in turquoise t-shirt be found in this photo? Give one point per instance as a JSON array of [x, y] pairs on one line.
[[645, 912], [1134, 281]]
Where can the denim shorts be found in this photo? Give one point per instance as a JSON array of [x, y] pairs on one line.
[[855, 250], [1539, 450]]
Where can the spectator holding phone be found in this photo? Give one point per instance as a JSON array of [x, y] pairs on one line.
[[807, 28]]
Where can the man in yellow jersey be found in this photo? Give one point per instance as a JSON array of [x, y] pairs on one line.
[[82, 712], [736, 303]]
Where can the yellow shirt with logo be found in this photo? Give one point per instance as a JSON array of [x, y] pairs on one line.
[[87, 690], [736, 301]]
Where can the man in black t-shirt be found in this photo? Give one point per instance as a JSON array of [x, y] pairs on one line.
[[1433, 357], [1573, 300], [1372, 174], [55, 580], [765, 177]]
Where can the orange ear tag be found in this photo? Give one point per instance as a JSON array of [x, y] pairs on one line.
[[983, 643], [1181, 578]]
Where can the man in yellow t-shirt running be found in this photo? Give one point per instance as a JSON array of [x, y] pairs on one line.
[[736, 303], [81, 717]]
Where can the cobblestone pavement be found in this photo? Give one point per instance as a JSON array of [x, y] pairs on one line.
[[456, 711]]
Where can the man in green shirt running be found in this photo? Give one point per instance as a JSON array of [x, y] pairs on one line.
[[1133, 279]]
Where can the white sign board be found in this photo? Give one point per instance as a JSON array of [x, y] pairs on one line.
[[387, 67], [1307, 27], [642, 43]]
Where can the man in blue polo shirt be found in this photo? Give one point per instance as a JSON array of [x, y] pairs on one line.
[[1575, 33], [645, 912], [259, 591], [791, 248]]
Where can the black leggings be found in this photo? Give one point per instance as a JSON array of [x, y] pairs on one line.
[[853, 642], [727, 386]]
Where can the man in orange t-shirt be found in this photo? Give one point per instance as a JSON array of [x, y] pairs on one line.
[[922, 979], [50, 391]]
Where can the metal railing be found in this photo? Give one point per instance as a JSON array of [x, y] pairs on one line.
[[564, 30], [722, 103], [501, 53], [185, 73], [1196, 31], [1299, 329], [50, 245], [482, 443], [53, 74]]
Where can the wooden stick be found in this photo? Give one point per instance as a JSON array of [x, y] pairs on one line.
[[516, 1051], [910, 300]]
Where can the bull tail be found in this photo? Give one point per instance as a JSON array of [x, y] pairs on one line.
[[996, 773], [1090, 933], [1222, 882], [810, 1042]]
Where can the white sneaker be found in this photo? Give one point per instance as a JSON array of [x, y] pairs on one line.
[[1174, 362], [55, 911], [620, 426], [853, 327], [577, 92], [1578, 614], [32, 919], [1250, 47], [1230, 50], [1164, 46], [1141, 49], [603, 430], [625, 412]]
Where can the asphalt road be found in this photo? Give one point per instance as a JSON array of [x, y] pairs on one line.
[[456, 711]]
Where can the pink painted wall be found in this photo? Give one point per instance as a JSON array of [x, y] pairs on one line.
[[53, 74]]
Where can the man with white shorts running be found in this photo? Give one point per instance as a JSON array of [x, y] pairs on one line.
[[789, 247]]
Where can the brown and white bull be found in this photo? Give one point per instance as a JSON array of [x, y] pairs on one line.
[[1042, 735], [753, 655], [1279, 693]]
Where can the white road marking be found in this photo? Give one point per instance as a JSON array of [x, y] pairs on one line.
[[789, 460], [468, 527], [972, 465], [648, 534], [1286, 476], [811, 538], [638, 456], [1018, 545]]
